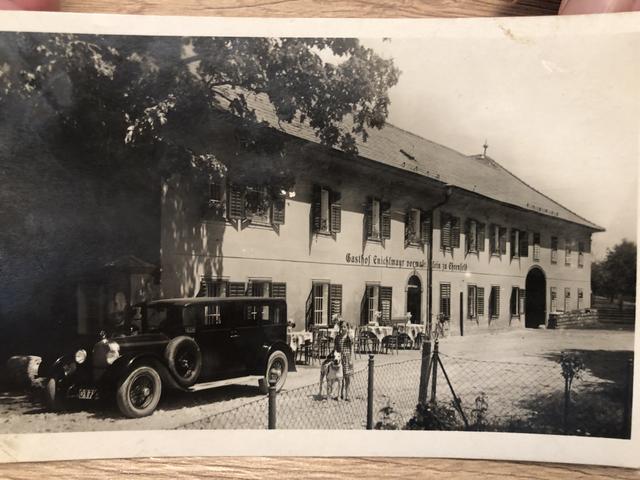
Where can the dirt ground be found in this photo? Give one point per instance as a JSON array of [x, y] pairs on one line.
[[299, 406]]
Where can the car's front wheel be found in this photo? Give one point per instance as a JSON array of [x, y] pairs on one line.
[[139, 392], [277, 368]]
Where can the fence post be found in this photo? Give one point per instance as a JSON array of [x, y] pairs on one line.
[[370, 395], [424, 372], [272, 402], [567, 399], [628, 400], [434, 371]]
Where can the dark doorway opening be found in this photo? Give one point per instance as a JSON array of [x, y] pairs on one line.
[[414, 299], [535, 300]]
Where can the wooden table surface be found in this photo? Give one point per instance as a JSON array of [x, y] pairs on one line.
[[280, 468]]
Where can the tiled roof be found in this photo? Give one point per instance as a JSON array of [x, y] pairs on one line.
[[407, 151]]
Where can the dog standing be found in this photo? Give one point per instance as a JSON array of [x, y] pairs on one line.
[[331, 374]]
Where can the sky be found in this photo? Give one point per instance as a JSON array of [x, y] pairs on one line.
[[560, 112]]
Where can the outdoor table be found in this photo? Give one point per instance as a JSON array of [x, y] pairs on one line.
[[378, 331], [411, 329]]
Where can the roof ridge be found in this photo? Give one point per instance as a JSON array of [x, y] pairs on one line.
[[536, 190]]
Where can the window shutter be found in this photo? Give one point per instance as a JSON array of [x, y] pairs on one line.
[[497, 294], [480, 309], [425, 227], [407, 228], [309, 311], [335, 299], [524, 243], [455, 232], [236, 289], [368, 213], [523, 296], [236, 202], [364, 307], [445, 231], [336, 212], [481, 236], [467, 235], [512, 242], [492, 238], [315, 208], [470, 301], [277, 211], [513, 304], [503, 240], [203, 288], [386, 295], [279, 290], [385, 220], [445, 300]]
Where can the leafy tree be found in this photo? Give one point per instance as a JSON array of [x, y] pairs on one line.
[[616, 274], [117, 95]]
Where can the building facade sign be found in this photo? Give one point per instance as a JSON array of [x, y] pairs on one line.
[[380, 261]]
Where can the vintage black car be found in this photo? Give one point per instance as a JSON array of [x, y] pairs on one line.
[[186, 344]]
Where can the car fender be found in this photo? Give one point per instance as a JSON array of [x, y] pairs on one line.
[[267, 350], [123, 365], [62, 368]]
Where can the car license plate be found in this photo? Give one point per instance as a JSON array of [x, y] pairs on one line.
[[87, 393]]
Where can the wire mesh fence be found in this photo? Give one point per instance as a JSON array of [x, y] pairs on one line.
[[466, 394]]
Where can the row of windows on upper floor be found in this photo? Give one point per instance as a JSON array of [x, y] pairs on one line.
[[263, 206]]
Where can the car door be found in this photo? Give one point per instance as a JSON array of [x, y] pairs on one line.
[[215, 339], [247, 336]]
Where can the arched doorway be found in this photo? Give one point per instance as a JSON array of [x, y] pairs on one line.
[[535, 301], [414, 298]]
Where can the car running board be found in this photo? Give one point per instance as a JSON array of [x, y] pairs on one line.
[[221, 383]]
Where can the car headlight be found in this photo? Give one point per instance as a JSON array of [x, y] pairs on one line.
[[113, 353], [81, 356]]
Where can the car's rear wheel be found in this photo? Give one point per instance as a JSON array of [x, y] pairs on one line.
[[184, 360], [52, 397], [277, 367], [139, 392]]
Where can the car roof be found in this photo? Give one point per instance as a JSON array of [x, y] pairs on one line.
[[183, 302]]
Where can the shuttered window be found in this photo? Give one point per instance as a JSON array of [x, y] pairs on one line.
[[449, 231], [417, 228], [523, 294], [494, 302], [327, 210], [212, 287], [567, 252], [445, 300], [498, 237], [524, 244]]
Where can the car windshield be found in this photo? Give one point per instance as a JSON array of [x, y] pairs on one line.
[[160, 317]]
